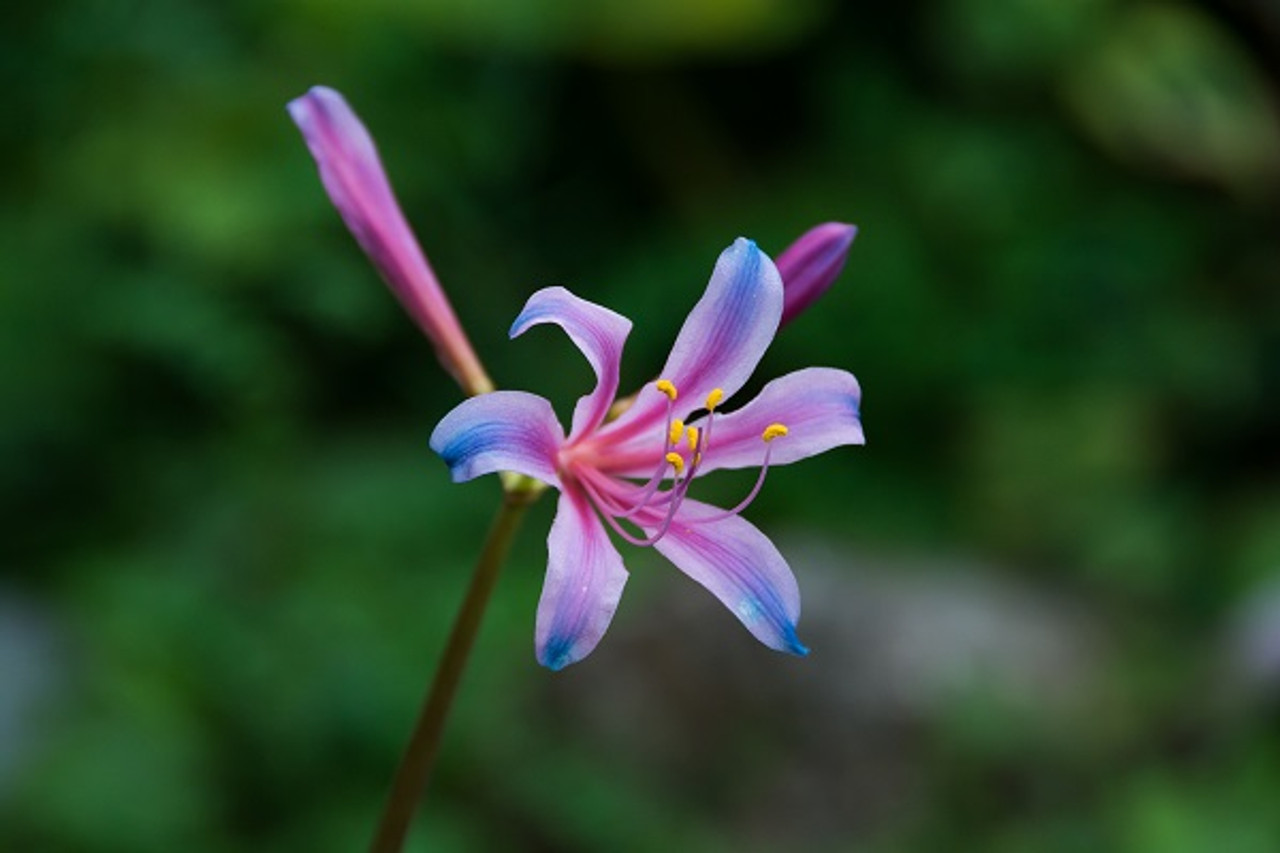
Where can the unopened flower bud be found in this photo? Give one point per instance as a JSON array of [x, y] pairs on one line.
[[810, 264], [358, 187]]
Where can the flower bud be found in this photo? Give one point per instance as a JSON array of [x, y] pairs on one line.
[[357, 185], [811, 263]]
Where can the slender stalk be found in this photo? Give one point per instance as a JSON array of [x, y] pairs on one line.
[[415, 766]]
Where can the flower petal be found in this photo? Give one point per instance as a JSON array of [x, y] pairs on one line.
[[810, 264], [353, 176], [818, 406], [500, 431], [594, 329], [721, 341], [584, 581], [741, 567]]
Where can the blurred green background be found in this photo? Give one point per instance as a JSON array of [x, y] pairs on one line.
[[1043, 601]]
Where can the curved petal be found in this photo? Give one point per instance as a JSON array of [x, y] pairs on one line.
[[598, 332], [500, 431], [584, 581], [818, 405], [741, 567], [721, 341], [810, 264], [353, 176]]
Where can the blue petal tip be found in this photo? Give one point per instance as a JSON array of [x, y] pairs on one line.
[[530, 315], [557, 654], [794, 646]]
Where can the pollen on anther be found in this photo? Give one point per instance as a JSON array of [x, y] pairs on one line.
[[693, 437], [666, 387], [773, 431], [676, 431], [676, 460], [714, 398]]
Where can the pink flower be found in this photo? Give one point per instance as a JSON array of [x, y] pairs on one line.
[[634, 474], [353, 176]]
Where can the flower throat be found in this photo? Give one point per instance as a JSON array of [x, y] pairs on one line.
[[683, 451]]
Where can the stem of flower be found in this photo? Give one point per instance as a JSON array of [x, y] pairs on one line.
[[415, 766]]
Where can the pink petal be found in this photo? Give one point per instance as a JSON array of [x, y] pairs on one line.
[[353, 176], [500, 431], [741, 567], [598, 332], [584, 581], [818, 406], [810, 264], [721, 342]]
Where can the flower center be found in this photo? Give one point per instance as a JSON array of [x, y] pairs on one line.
[[683, 451]]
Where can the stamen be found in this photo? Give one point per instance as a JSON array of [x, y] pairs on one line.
[[647, 493], [770, 433], [675, 430], [614, 513], [698, 443], [650, 496], [610, 506]]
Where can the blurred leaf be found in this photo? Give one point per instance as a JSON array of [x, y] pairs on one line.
[[1014, 43], [1169, 87], [605, 30], [1180, 813]]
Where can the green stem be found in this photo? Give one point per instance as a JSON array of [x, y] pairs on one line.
[[419, 756]]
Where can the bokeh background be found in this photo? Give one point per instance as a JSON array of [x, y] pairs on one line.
[[1043, 601]]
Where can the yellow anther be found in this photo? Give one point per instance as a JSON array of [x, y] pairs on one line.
[[676, 460], [667, 388], [677, 430], [773, 431], [693, 438], [714, 398]]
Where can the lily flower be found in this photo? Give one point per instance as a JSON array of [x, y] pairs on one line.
[[633, 475]]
